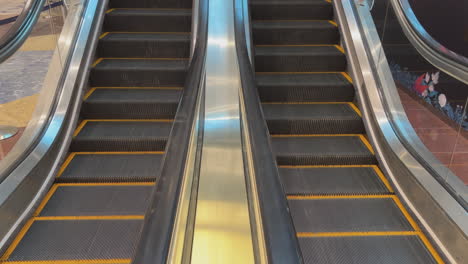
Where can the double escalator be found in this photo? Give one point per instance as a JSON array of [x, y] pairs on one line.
[[94, 211], [343, 208]]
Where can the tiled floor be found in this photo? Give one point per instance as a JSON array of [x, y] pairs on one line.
[[444, 141]]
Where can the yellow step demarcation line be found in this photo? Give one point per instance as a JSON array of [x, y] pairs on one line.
[[361, 137], [81, 261], [90, 91], [376, 168], [72, 155], [46, 199], [84, 122], [396, 200], [354, 234]]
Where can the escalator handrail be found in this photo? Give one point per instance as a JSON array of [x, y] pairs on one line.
[[446, 60], [19, 32], [442, 217], [154, 244], [282, 245], [29, 169]]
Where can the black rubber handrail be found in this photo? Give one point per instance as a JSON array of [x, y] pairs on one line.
[[159, 221], [19, 32], [441, 57], [281, 242]]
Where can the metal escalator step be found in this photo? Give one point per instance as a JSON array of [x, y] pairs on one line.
[[78, 240], [136, 72], [312, 119], [294, 32], [122, 136], [332, 180], [117, 167], [144, 45], [98, 200], [131, 103], [321, 150], [299, 59], [150, 4], [148, 20], [347, 215], [291, 9], [364, 250], [316, 87]]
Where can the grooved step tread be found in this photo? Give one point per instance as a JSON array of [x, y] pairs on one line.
[[148, 20], [122, 136], [144, 45], [318, 87], [321, 150], [150, 4], [332, 180], [299, 59], [364, 250], [149, 12], [313, 50], [98, 200], [141, 64], [117, 167], [78, 240], [292, 9], [139, 72], [134, 95], [131, 103], [347, 215], [296, 118], [294, 32]]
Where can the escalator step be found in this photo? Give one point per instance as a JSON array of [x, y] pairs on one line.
[[144, 45], [78, 240], [112, 168], [364, 250], [312, 119], [294, 32], [148, 20], [321, 150], [136, 72], [348, 215], [316, 87], [122, 136], [95, 199], [332, 180], [150, 4], [299, 59], [291, 9], [131, 103]]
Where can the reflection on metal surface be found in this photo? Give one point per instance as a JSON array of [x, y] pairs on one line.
[[57, 98], [7, 132], [441, 215], [222, 224], [181, 237]]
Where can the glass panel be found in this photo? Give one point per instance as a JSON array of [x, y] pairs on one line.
[[435, 103], [22, 75]]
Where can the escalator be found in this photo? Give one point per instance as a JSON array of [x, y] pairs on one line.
[[343, 208], [94, 211]]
